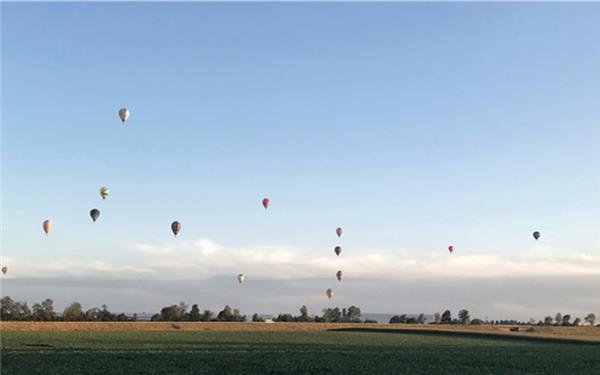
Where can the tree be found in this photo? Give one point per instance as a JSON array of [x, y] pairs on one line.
[[92, 314], [304, 317], [257, 318], [156, 318], [477, 322], [421, 318], [566, 320], [207, 316], [548, 320], [577, 322], [7, 306], [437, 317], [284, 318], [558, 319], [590, 319], [174, 313], [353, 314], [464, 317], [332, 315], [395, 319], [195, 313], [73, 312], [447, 317]]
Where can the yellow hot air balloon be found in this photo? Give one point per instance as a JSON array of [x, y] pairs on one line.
[[47, 225], [123, 114], [104, 192]]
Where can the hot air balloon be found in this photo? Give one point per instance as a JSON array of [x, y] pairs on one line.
[[4, 270], [338, 231], [95, 214], [47, 225], [123, 114], [338, 250], [450, 249], [536, 235], [339, 275], [104, 192], [241, 278], [176, 227], [329, 293], [266, 202]]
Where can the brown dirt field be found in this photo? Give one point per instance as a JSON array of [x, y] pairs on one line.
[[578, 333]]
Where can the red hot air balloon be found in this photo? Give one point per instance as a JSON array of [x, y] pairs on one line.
[[338, 250], [266, 202], [450, 249]]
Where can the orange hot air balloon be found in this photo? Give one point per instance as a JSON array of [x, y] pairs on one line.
[[266, 202], [329, 294], [47, 225]]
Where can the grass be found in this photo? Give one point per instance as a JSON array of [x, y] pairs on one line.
[[287, 352]]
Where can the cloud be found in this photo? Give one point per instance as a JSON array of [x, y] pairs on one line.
[[204, 258]]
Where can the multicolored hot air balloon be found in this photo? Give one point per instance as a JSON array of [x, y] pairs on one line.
[[4, 270], [450, 249], [175, 227], [104, 192], [338, 231], [329, 294], [536, 235], [95, 214], [266, 202], [47, 225], [241, 278], [338, 250], [123, 114], [339, 275]]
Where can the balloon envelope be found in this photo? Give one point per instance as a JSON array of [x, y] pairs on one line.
[[123, 114], [338, 231], [329, 293], [266, 202], [95, 214], [176, 227], [536, 235], [339, 275], [47, 225], [337, 250], [241, 278], [4, 270], [450, 248], [104, 192]]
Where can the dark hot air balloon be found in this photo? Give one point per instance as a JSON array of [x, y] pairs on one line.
[[94, 214], [338, 250], [176, 227], [338, 231], [536, 235], [450, 249], [339, 275]]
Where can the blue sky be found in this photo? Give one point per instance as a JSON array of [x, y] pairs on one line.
[[413, 126]]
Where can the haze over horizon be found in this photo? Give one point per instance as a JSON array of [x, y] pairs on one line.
[[412, 126]]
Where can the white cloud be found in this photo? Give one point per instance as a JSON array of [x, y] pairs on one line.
[[204, 258]]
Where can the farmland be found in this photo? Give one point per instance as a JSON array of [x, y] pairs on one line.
[[278, 349]]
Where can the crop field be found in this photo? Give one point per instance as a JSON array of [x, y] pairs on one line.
[[348, 351]]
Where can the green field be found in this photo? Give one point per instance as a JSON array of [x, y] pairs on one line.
[[261, 352]]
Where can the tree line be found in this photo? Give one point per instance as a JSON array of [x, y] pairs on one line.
[[44, 311], [464, 318]]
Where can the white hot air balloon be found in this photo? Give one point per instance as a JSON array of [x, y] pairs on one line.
[[329, 294]]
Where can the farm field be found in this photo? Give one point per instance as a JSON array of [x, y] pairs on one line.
[[289, 352]]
